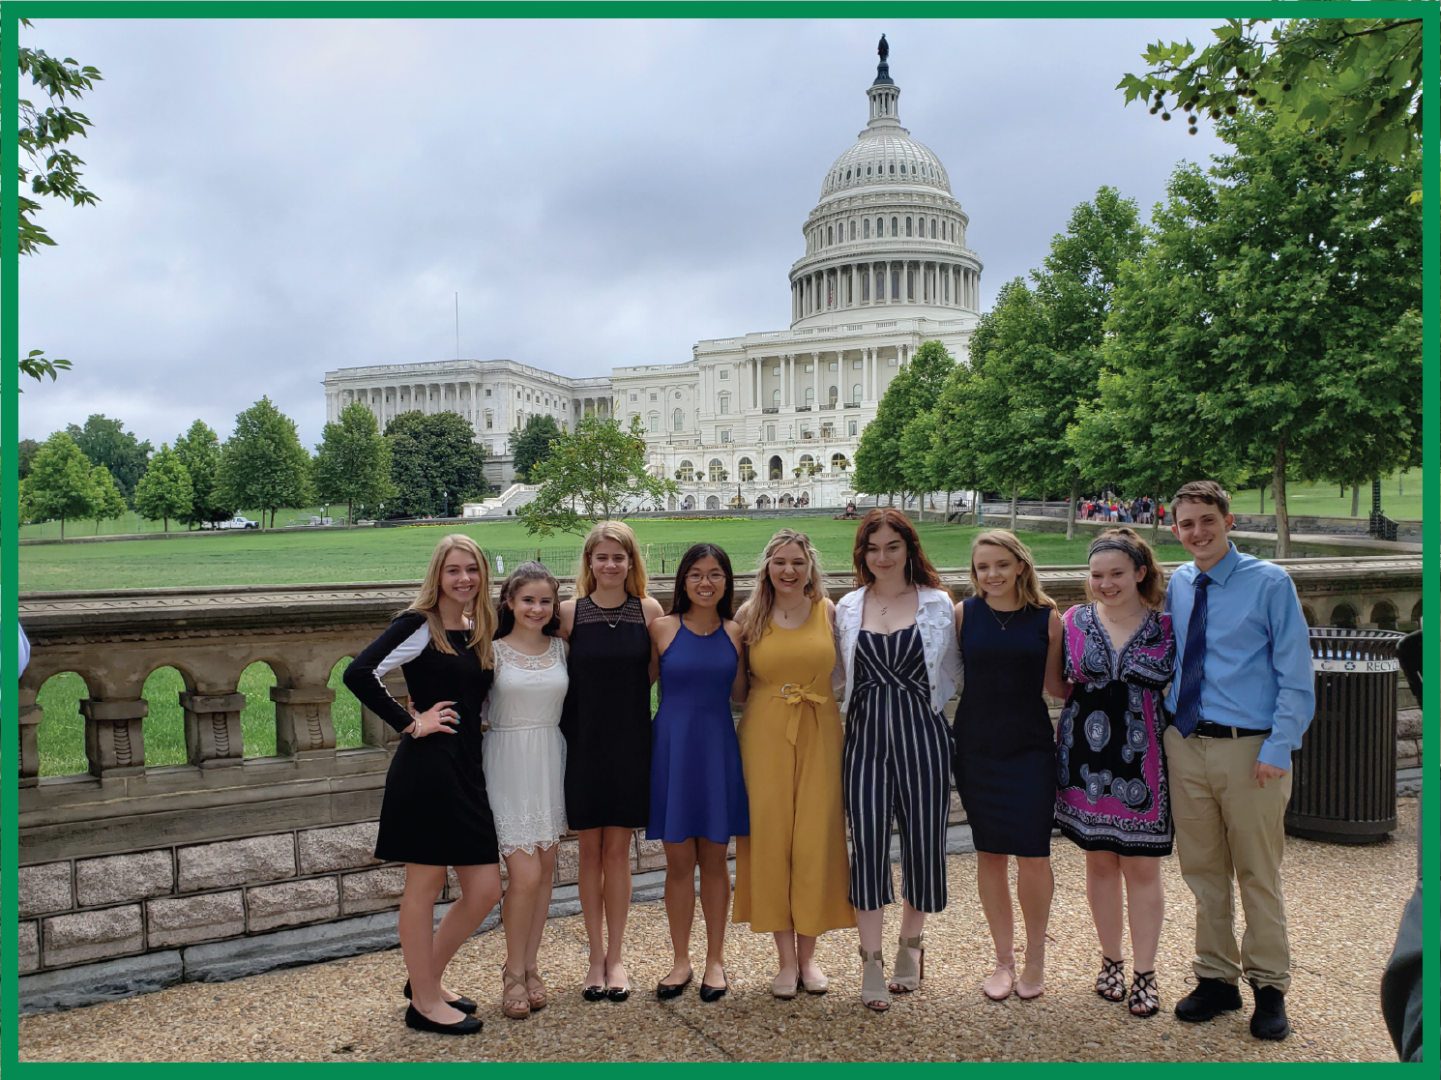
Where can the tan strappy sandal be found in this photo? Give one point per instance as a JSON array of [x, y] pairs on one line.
[[515, 1005], [538, 998], [875, 994], [907, 975]]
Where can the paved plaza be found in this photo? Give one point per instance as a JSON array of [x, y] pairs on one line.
[[1344, 906]]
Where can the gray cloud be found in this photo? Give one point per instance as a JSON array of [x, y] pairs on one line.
[[284, 198]]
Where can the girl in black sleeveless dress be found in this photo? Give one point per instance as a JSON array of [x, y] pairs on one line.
[[606, 723]]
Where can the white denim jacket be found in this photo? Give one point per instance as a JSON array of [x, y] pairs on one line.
[[936, 621]]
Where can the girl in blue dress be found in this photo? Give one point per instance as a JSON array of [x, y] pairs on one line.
[[697, 792]]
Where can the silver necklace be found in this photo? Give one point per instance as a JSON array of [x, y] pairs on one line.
[[886, 606], [1004, 622], [619, 613]]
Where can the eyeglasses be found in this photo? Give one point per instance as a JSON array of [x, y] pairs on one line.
[[716, 577]]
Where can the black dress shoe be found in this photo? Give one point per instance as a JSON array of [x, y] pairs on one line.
[[460, 1004], [1209, 1000], [666, 991], [592, 993], [618, 993], [714, 993], [1269, 1020], [418, 1021]]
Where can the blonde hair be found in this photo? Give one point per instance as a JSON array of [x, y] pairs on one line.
[[1152, 587], [618, 531], [1028, 585], [763, 600], [481, 611]]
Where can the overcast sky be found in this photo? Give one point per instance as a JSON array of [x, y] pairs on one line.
[[280, 199]]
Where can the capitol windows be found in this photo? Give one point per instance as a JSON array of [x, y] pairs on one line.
[[725, 403], [489, 420], [908, 226], [852, 425], [855, 394], [654, 396], [857, 364], [725, 435], [838, 462], [747, 469], [895, 284], [716, 468], [865, 287], [677, 420], [775, 399], [868, 170], [895, 226], [933, 228], [853, 230], [834, 394], [487, 391], [805, 464], [830, 235], [634, 397], [880, 285], [910, 285], [770, 433], [880, 227], [655, 422], [686, 472], [810, 396], [893, 169], [866, 229]]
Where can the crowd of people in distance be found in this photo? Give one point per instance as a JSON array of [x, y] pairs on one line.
[[1140, 511]]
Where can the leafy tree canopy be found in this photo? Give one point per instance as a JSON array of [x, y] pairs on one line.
[[531, 444], [109, 499], [263, 465], [25, 452], [435, 464], [1357, 80], [164, 492], [596, 471], [106, 442], [913, 391], [199, 451], [352, 463], [47, 164], [59, 484]]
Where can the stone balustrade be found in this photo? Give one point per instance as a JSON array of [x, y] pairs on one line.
[[135, 876]]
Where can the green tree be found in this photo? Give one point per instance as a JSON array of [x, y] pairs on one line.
[[913, 390], [199, 451], [918, 464], [109, 499], [953, 448], [106, 442], [1270, 313], [263, 465], [164, 492], [1357, 81], [48, 165], [531, 445], [352, 462], [59, 484], [435, 463], [593, 472], [25, 451]]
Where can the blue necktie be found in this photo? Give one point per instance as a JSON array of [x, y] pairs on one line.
[[1193, 665]]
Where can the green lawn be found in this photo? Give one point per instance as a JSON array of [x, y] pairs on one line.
[[1400, 499], [400, 554], [130, 523], [61, 735]]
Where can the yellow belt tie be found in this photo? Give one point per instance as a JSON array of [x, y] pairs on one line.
[[793, 694]]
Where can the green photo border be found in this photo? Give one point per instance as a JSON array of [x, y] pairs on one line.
[[14, 10]]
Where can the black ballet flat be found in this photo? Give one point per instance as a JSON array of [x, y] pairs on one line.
[[418, 1021], [714, 993], [666, 991], [593, 993], [618, 993], [460, 1004]]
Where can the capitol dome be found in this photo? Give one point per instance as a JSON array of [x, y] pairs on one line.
[[887, 231]]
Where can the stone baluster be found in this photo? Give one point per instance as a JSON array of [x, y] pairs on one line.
[[303, 724], [30, 716], [212, 729], [373, 730], [114, 739]]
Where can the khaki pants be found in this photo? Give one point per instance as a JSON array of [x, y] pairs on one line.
[[1229, 828]]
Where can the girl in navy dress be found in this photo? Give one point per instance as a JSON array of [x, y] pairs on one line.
[[697, 792], [436, 812], [1011, 635]]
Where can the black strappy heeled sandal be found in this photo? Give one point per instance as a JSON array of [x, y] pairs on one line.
[[1111, 982], [1145, 994]]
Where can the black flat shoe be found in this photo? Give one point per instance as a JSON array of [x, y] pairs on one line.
[[666, 991], [593, 993], [460, 1004], [418, 1021], [618, 993], [714, 993]]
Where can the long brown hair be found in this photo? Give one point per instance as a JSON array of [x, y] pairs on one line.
[[1152, 587], [919, 570], [763, 600], [527, 572], [624, 535], [481, 611], [1028, 585]]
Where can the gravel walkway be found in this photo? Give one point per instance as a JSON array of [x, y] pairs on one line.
[[1344, 904]]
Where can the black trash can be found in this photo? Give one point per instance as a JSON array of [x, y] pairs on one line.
[[1343, 787]]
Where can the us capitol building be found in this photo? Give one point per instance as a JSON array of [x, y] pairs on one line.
[[772, 418]]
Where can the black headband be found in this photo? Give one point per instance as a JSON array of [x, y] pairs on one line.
[[1109, 544]]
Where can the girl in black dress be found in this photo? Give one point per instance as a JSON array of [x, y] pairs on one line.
[[435, 812], [1011, 640], [607, 728]]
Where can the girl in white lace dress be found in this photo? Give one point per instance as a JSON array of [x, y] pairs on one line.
[[525, 771]]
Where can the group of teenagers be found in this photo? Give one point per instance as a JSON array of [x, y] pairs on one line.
[[1182, 706]]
